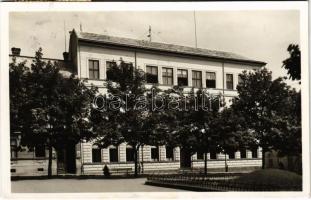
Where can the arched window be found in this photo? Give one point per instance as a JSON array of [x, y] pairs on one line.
[[169, 153], [129, 154], [113, 154], [96, 154]]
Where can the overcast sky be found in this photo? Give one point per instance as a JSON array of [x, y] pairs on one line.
[[261, 35]]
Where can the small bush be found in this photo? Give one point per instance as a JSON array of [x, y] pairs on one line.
[[106, 171]]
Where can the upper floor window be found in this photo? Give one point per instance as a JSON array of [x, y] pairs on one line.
[[167, 76], [152, 74], [210, 79], [93, 69], [240, 81], [109, 65], [196, 79], [229, 81], [182, 77]]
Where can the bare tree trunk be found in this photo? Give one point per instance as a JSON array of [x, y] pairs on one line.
[[142, 159], [263, 158], [50, 160], [205, 164], [226, 165], [136, 149]]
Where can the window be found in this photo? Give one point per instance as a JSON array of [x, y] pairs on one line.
[[109, 65], [96, 155], [40, 151], [167, 76], [213, 155], [231, 155], [240, 81], [13, 148], [155, 153], [152, 74], [169, 153], [229, 81], [254, 153], [210, 79], [113, 153], [200, 155], [243, 153], [196, 79], [129, 154], [93, 69], [182, 77]]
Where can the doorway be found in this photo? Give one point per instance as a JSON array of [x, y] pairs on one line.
[[66, 159], [185, 158]]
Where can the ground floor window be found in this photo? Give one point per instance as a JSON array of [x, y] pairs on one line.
[[231, 155], [129, 154], [243, 153], [155, 153], [254, 153], [13, 148], [213, 155], [96, 155], [200, 155], [169, 153], [113, 154], [40, 151]]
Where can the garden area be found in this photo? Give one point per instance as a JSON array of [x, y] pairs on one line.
[[260, 180]]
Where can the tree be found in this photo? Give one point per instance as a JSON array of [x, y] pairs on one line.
[[55, 110], [190, 123], [203, 119], [262, 101], [127, 117], [293, 63], [230, 128]]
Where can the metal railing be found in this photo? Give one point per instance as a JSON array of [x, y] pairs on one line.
[[218, 183]]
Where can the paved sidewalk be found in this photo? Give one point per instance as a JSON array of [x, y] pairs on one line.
[[85, 185]]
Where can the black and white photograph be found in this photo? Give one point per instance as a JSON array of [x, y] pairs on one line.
[[175, 101]]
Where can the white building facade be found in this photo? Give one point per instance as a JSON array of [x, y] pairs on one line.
[[166, 65]]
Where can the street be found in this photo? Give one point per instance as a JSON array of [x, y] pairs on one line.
[[85, 185]]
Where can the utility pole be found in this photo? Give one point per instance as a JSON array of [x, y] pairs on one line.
[[149, 35], [65, 35], [80, 27], [195, 29]]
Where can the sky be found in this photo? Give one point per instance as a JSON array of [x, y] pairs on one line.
[[258, 34]]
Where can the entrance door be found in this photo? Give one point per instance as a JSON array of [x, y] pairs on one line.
[[66, 160], [185, 158], [70, 159]]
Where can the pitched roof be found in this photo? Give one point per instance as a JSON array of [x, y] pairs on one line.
[[164, 47]]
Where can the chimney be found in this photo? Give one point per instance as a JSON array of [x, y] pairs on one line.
[[16, 51], [66, 56]]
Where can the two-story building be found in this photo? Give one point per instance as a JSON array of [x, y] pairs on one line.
[[166, 65]]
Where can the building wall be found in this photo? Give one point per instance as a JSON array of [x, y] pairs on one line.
[[163, 164], [32, 167], [142, 59]]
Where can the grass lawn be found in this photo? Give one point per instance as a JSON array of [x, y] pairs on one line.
[[275, 177]]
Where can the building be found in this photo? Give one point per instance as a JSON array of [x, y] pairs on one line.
[[166, 65]]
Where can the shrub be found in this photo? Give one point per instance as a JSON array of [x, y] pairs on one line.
[[106, 171]]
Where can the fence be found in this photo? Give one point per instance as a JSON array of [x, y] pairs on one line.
[[216, 182]]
